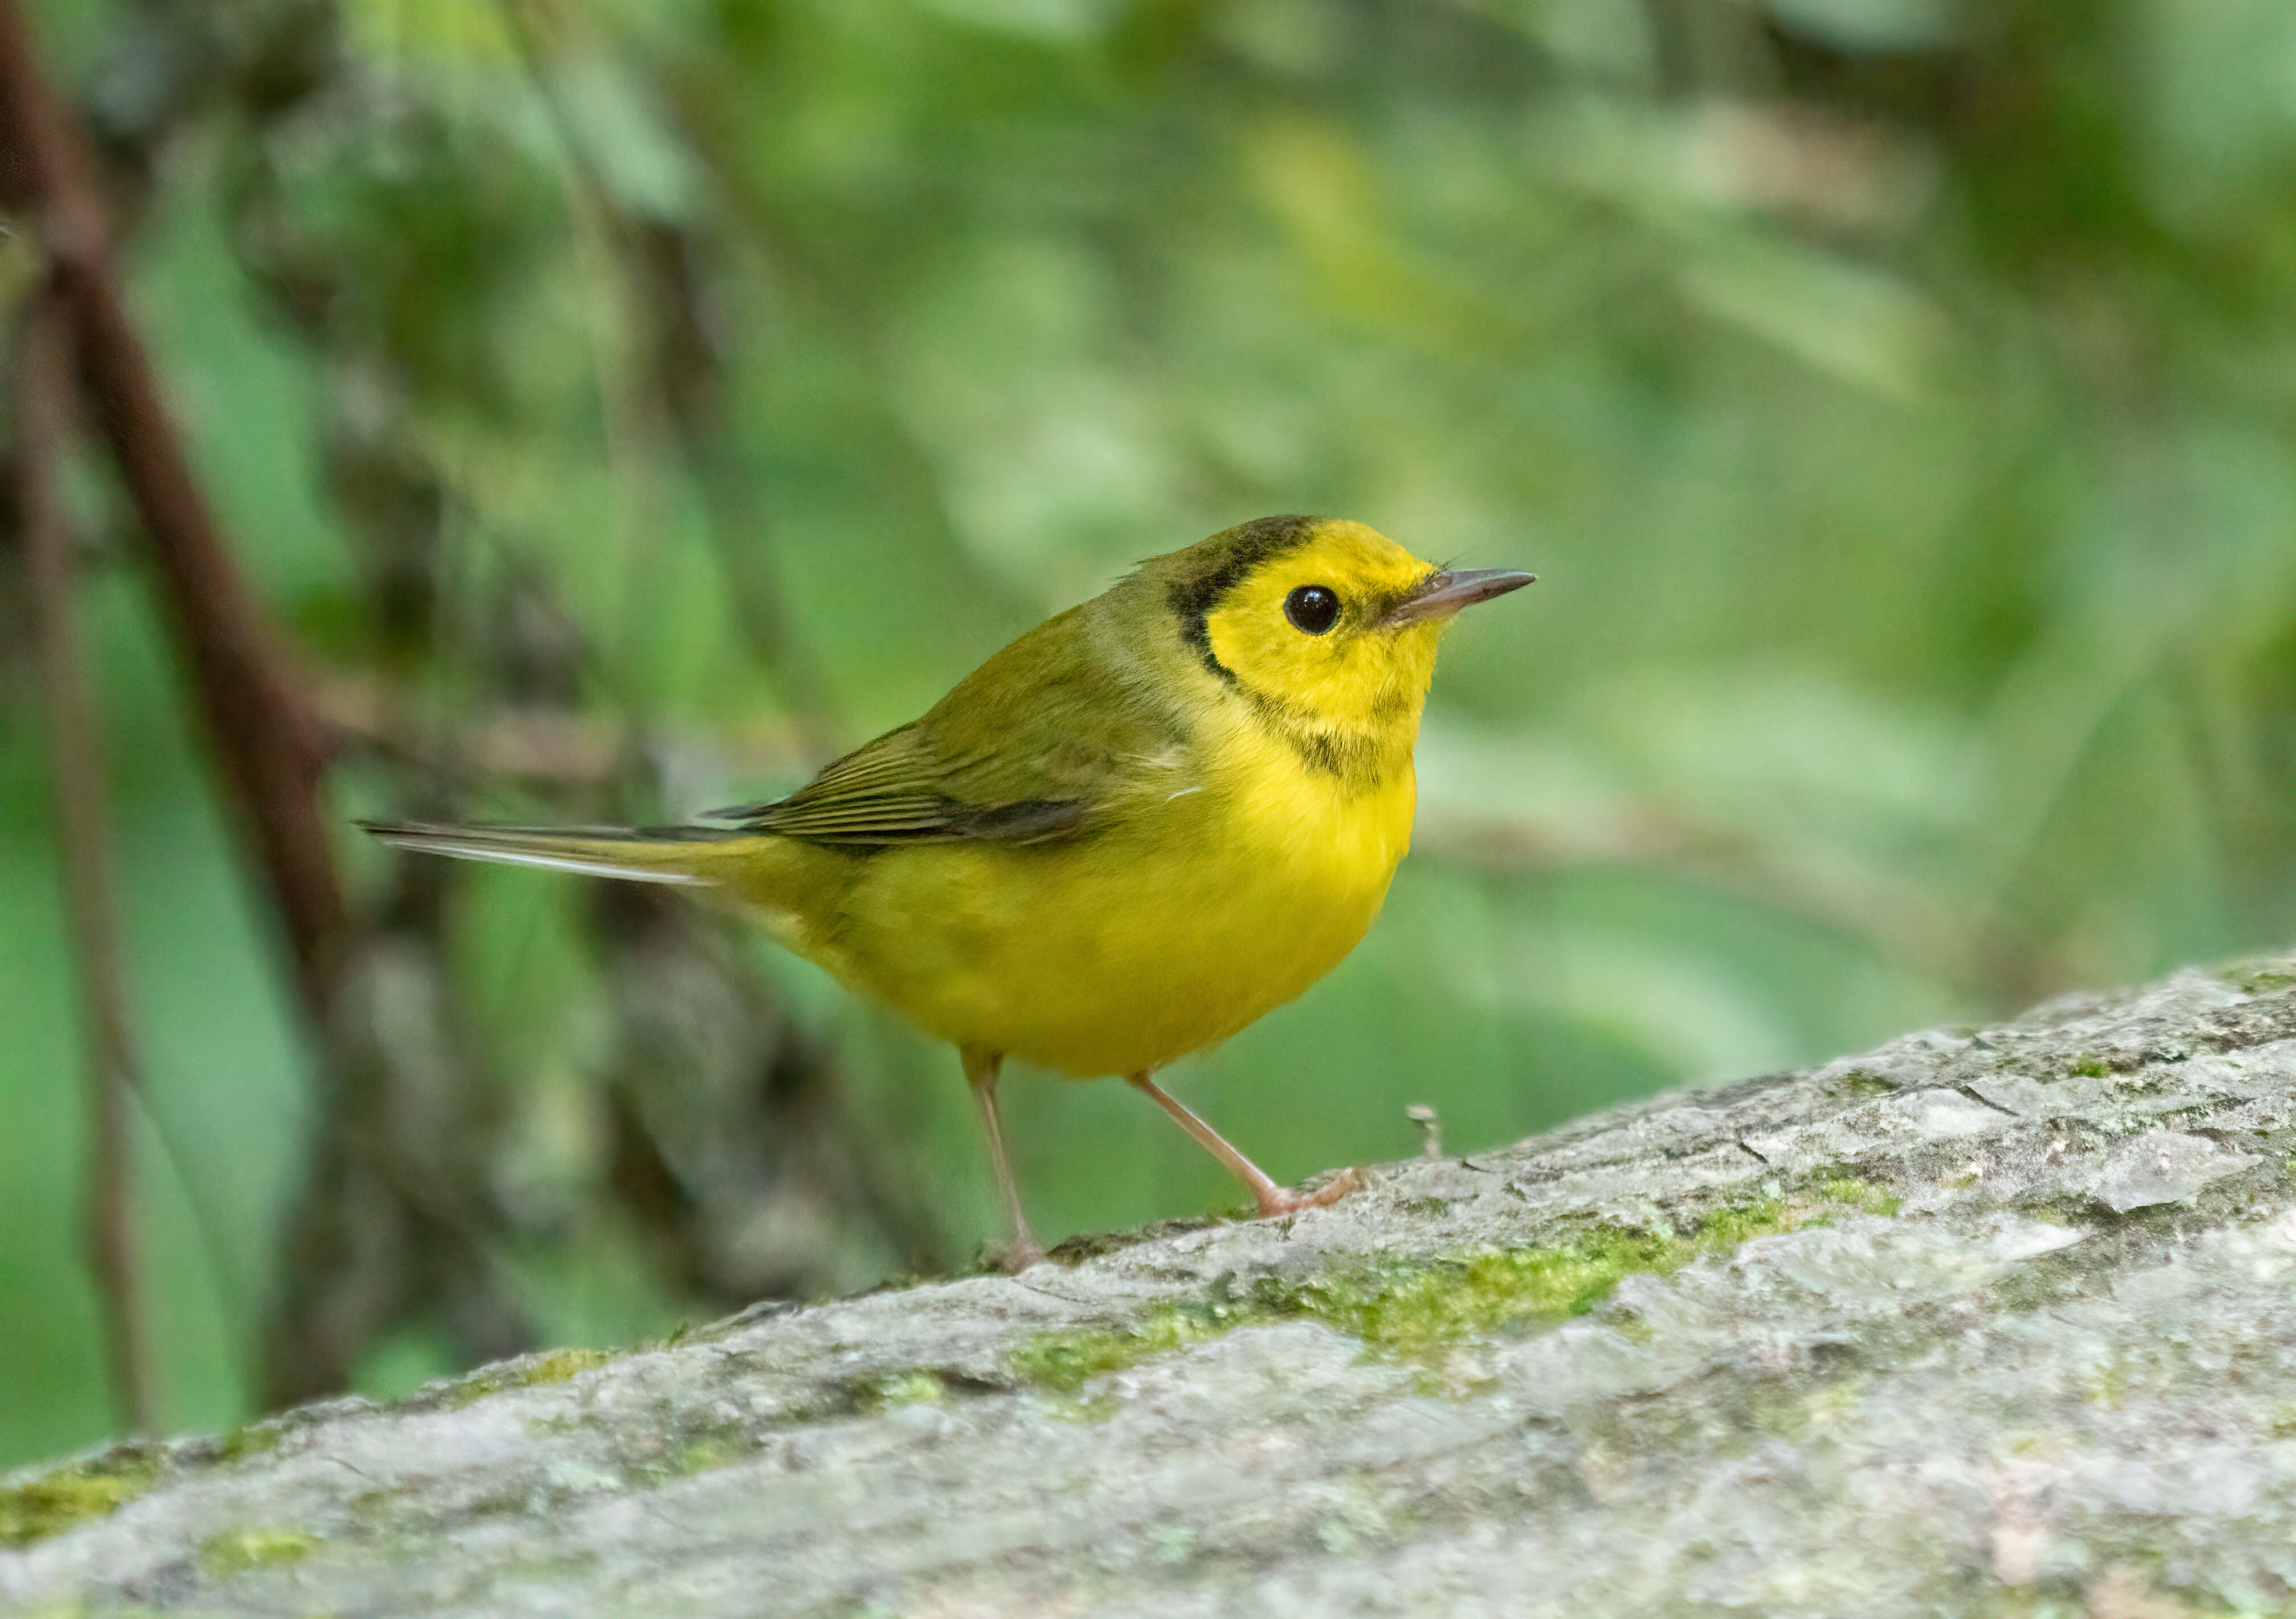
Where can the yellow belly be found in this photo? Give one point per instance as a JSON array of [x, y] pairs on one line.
[[1128, 948]]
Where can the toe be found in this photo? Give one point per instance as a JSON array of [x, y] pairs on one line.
[[1014, 1257], [1290, 1203]]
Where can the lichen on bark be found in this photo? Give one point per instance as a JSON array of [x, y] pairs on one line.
[[1999, 1321]]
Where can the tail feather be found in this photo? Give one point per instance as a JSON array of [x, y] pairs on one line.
[[694, 855]]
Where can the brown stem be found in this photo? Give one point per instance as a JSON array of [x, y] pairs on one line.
[[270, 751], [43, 392]]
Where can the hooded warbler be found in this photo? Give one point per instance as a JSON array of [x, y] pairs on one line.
[[1129, 834]]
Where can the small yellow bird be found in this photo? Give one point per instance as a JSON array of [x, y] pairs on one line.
[[1137, 828]]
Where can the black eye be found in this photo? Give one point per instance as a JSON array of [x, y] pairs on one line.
[[1312, 608]]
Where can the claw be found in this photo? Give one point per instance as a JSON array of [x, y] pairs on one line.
[[1013, 1257], [1284, 1201]]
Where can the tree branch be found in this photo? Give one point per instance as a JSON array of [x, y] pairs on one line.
[[270, 751], [1992, 1322], [43, 392]]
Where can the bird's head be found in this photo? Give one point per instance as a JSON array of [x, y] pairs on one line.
[[1327, 620]]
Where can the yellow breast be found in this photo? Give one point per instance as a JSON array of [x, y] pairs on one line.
[[1124, 949]]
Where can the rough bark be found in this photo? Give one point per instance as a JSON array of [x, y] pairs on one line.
[[1982, 1323]]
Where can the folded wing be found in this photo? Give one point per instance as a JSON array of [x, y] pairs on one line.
[[1043, 742]]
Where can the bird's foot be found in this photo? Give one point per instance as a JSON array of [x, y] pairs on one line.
[[1015, 1256], [1279, 1201]]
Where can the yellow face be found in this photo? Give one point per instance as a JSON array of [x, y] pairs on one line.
[[1308, 629]]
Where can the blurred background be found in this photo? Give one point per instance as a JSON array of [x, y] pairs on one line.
[[620, 407]]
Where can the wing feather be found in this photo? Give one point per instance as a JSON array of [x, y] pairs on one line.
[[1042, 742]]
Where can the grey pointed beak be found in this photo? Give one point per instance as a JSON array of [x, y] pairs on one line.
[[1441, 595]]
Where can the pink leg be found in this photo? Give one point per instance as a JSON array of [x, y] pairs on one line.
[[980, 1070], [1272, 1199]]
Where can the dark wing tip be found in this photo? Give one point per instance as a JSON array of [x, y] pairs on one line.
[[743, 812]]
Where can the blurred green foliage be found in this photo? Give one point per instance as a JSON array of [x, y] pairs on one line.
[[1895, 397]]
